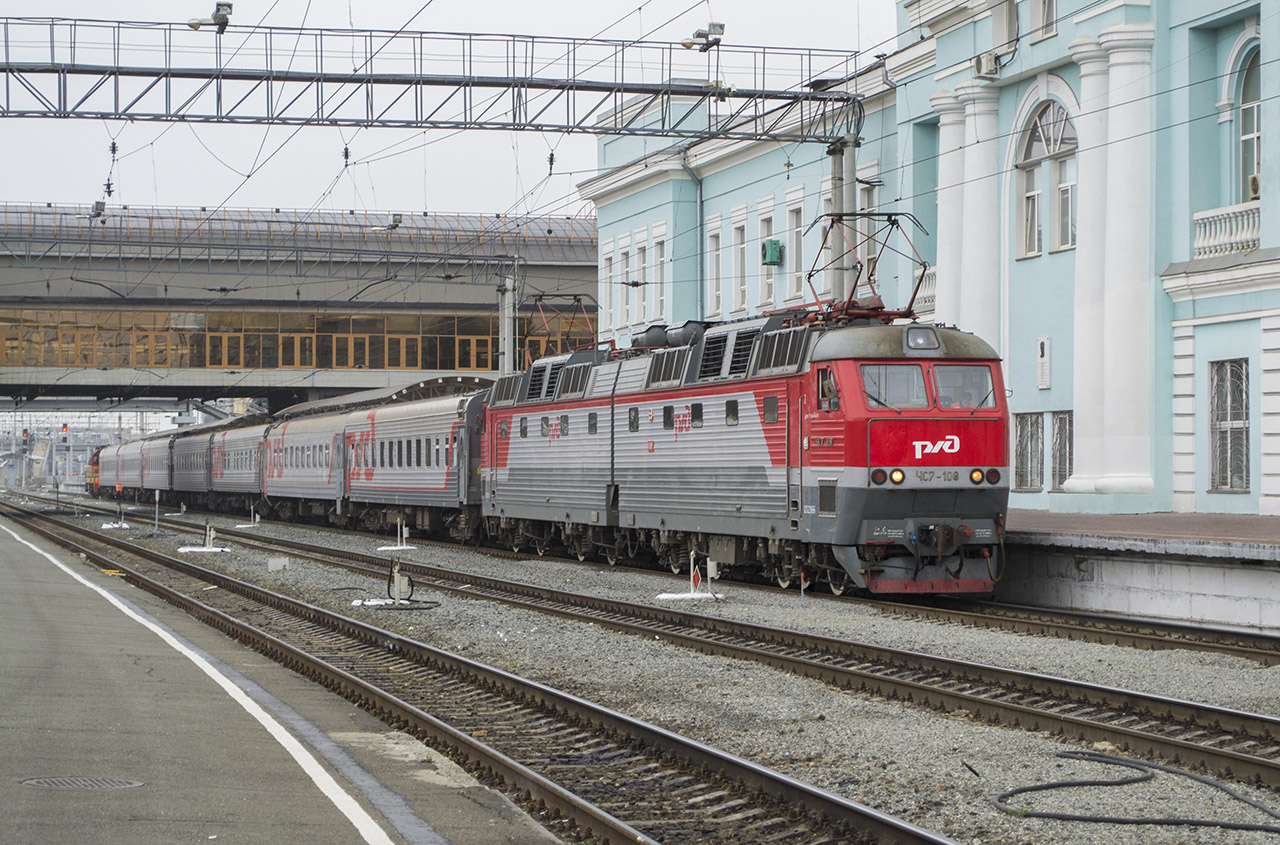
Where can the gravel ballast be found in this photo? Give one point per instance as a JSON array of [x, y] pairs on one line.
[[936, 770]]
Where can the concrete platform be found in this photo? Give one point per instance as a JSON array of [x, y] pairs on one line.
[[1218, 568], [100, 682], [1214, 535]]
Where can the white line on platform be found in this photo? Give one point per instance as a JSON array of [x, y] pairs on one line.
[[369, 829]]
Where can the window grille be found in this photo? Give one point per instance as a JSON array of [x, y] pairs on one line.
[[742, 344], [1229, 424], [712, 356], [1063, 448], [781, 351], [1029, 453], [553, 377], [536, 377], [668, 367], [573, 381]]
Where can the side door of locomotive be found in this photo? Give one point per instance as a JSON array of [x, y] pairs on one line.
[[796, 415]]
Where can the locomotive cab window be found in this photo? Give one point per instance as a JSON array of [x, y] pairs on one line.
[[964, 386], [771, 409], [828, 394], [504, 429], [894, 386]]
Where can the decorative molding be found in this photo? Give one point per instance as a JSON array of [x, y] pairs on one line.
[[1191, 284]]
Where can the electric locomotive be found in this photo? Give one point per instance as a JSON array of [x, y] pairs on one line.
[[858, 454]]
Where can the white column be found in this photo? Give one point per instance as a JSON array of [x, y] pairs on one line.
[[1089, 372], [980, 306], [950, 223], [1129, 282]]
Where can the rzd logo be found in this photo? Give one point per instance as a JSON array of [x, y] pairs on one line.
[[949, 444]]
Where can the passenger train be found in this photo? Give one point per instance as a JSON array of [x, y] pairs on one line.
[[856, 454]]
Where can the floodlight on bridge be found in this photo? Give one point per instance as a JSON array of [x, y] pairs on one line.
[[704, 38], [220, 18]]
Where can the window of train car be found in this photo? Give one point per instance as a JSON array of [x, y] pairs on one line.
[[731, 412], [695, 415], [400, 454], [546, 427], [524, 430], [418, 447], [593, 423], [894, 386], [382, 454], [668, 417], [770, 409], [564, 425], [504, 430], [964, 386], [633, 419]]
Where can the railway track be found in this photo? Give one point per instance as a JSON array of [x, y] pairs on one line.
[[1237, 744], [1111, 629], [609, 777]]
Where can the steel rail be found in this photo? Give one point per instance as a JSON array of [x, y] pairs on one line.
[[810, 799]]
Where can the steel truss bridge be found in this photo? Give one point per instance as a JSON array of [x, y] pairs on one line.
[[54, 67]]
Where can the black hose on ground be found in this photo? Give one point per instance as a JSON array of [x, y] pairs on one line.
[[1148, 771]]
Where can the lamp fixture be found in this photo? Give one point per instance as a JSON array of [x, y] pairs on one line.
[[220, 18], [704, 38]]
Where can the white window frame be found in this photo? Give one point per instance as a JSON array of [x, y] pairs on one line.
[[1253, 139], [660, 277], [739, 266], [1044, 19], [767, 271], [795, 246], [605, 318], [1065, 209], [714, 280], [642, 276], [868, 251], [624, 269], [1041, 175]]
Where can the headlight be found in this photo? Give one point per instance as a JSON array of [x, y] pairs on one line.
[[976, 476], [897, 476]]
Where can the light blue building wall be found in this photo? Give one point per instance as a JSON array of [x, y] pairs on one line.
[[1097, 190]]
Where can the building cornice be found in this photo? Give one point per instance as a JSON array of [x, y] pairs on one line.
[[1206, 278]]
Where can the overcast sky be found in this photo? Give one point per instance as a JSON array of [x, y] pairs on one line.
[[205, 165]]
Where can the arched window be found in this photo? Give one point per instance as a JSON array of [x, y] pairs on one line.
[[1047, 166], [1250, 129]]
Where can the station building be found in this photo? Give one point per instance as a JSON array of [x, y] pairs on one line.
[[285, 306], [1095, 199]]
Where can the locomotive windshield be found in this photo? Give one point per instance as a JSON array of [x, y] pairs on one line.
[[964, 386], [895, 386]]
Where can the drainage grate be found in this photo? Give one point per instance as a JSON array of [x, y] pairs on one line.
[[82, 783]]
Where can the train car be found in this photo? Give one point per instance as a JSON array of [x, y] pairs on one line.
[[129, 469], [235, 467], [190, 456], [156, 469], [108, 470], [304, 474], [863, 454], [411, 462]]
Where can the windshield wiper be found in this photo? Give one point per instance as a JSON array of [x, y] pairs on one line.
[[983, 400], [875, 398]]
